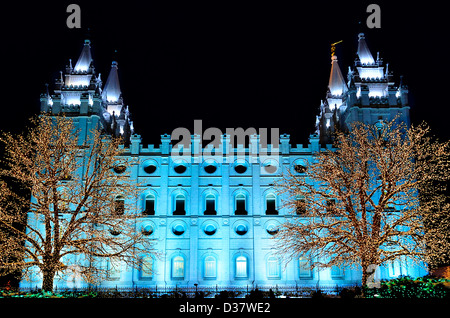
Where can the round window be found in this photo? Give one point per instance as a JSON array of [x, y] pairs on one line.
[[210, 168], [114, 232], [210, 229], [241, 229], [120, 169], [178, 229], [150, 169], [147, 230], [300, 168], [240, 168], [269, 168], [272, 229]]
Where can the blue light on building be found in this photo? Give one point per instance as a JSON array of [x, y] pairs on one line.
[[213, 214]]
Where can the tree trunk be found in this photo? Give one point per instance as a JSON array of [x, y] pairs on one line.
[[47, 282]]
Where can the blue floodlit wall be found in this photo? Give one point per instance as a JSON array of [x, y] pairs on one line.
[[213, 216]]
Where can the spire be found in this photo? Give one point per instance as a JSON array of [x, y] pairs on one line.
[[337, 83], [84, 61], [363, 51], [111, 91]]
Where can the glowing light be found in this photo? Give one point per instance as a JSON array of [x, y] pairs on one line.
[[370, 72]]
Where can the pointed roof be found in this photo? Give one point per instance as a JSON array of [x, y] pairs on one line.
[[85, 59], [337, 83], [111, 92], [363, 51]]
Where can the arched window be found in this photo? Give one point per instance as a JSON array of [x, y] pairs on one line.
[[241, 267], [119, 205], [114, 269], [240, 203], [178, 267], [271, 201], [337, 272], [300, 208], [146, 267], [149, 205], [304, 267], [210, 204], [180, 205], [210, 267], [273, 267]]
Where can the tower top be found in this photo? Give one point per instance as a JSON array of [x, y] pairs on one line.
[[85, 59], [363, 51], [336, 84], [111, 91]]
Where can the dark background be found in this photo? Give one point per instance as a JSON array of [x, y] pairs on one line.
[[227, 63]]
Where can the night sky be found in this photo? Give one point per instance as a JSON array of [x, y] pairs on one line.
[[229, 64]]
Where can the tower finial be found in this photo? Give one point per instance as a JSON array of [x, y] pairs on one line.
[[333, 48]]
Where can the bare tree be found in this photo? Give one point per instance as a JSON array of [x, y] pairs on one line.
[[367, 202], [81, 198]]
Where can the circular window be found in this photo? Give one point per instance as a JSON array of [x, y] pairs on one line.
[[240, 168], [114, 232], [210, 229], [272, 229], [147, 230], [241, 229], [180, 168], [150, 168], [210, 168], [178, 229], [269, 168], [120, 169], [300, 168]]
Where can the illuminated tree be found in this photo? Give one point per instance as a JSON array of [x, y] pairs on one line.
[[370, 201], [79, 214]]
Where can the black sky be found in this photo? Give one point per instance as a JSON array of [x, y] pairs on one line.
[[231, 65]]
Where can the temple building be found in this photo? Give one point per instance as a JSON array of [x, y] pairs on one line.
[[213, 217]]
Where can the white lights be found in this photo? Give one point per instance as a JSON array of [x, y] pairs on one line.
[[369, 72]]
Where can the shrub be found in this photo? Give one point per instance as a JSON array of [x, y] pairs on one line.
[[407, 287]]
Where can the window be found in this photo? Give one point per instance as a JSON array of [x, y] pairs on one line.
[[210, 168], [300, 206], [210, 267], [210, 203], [180, 202], [146, 267], [241, 229], [300, 168], [240, 168], [180, 168], [147, 230], [119, 206], [64, 201], [149, 205], [337, 272], [304, 267], [272, 229], [114, 268], [240, 205], [273, 268], [178, 229], [150, 169], [120, 169], [178, 267], [210, 229], [271, 204], [331, 206], [241, 267]]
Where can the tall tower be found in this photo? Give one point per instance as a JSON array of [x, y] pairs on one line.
[[369, 95], [78, 93]]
